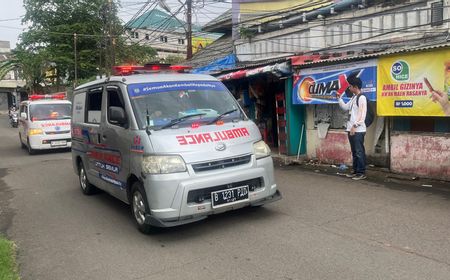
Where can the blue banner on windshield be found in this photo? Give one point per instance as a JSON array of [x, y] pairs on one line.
[[135, 90]]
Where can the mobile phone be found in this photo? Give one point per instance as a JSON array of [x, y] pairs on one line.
[[428, 84]]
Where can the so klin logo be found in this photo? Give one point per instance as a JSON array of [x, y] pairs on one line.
[[400, 71]]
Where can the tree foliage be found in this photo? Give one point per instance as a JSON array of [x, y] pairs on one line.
[[49, 44]]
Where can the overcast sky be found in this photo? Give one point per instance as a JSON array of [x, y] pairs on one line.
[[11, 12]]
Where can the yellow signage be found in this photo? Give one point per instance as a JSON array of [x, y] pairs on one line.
[[415, 84], [199, 43]]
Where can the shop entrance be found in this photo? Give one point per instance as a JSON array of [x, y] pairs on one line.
[[262, 98]]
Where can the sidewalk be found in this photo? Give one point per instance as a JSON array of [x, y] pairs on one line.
[[380, 175]]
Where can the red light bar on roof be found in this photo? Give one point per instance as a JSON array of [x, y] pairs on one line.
[[179, 68], [60, 96], [152, 68]]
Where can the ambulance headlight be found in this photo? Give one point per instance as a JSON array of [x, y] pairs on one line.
[[35, 131], [260, 149], [163, 164]]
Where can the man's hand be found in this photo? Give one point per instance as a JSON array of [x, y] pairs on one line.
[[440, 97], [352, 130]]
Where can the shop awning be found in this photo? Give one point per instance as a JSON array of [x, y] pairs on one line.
[[278, 69], [227, 62]]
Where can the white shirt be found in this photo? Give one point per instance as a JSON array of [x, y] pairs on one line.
[[357, 113]]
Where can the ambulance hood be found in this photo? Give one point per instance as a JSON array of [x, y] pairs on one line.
[[207, 142]]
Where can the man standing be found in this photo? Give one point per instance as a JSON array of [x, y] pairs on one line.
[[356, 127]]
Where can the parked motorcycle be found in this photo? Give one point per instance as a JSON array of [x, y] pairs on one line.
[[14, 119]]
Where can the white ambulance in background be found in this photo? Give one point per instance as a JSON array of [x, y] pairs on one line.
[[45, 123]]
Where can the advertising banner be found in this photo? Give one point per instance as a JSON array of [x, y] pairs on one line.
[[406, 83], [324, 85]]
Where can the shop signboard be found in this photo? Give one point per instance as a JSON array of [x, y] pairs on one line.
[[406, 81], [324, 85]]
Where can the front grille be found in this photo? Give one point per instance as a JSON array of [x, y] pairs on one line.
[[221, 164], [57, 132], [200, 195]]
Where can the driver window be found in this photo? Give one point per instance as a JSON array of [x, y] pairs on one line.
[[114, 99], [23, 109]]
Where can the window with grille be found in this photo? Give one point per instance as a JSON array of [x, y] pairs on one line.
[[437, 13]]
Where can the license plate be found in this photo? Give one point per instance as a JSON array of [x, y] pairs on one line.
[[58, 143], [229, 196]]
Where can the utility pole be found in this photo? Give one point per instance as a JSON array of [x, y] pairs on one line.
[[189, 31], [112, 40], [75, 58]]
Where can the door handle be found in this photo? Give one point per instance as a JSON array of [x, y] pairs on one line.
[[104, 136]]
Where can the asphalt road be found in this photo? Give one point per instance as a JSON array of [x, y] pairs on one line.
[[325, 227]]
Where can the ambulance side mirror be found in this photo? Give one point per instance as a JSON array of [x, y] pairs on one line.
[[23, 115], [117, 116]]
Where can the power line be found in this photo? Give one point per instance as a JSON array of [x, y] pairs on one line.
[[295, 30], [11, 19], [398, 30]]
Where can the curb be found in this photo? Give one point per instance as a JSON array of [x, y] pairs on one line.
[[375, 174]]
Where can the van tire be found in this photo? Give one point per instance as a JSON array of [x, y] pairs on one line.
[[86, 187], [22, 145], [31, 151], [139, 208]]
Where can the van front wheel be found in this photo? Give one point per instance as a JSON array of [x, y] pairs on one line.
[[31, 151], [139, 208], [86, 187]]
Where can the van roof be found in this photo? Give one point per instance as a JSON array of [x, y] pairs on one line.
[[150, 78]]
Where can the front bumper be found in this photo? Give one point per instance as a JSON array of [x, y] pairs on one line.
[[154, 221], [43, 142], [168, 194]]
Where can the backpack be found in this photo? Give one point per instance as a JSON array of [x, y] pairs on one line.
[[370, 115]]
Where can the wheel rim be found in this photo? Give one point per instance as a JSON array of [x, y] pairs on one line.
[[83, 179], [138, 208]]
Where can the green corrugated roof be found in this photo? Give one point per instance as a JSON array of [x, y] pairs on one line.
[[156, 19]]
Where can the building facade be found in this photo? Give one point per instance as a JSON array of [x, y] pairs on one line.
[[337, 35], [166, 34], [10, 83]]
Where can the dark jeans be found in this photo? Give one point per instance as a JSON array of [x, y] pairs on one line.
[[358, 152]]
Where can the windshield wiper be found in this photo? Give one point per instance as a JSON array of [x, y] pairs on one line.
[[181, 119], [222, 115]]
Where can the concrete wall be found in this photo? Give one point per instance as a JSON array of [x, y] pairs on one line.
[[335, 147], [421, 154]]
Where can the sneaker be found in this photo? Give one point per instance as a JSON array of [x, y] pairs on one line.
[[359, 177], [351, 175]]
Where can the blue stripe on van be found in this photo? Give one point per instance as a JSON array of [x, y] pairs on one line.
[[135, 90]]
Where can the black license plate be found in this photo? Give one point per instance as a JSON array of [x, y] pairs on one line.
[[229, 196]]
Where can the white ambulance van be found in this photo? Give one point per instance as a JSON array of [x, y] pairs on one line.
[[44, 123], [175, 146]]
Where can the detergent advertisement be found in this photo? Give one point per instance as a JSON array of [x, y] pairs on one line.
[[414, 84], [326, 84]]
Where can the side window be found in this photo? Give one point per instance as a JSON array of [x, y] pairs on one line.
[[94, 106], [78, 114], [115, 99]]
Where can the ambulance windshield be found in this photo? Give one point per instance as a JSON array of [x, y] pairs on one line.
[[159, 105], [55, 111]]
